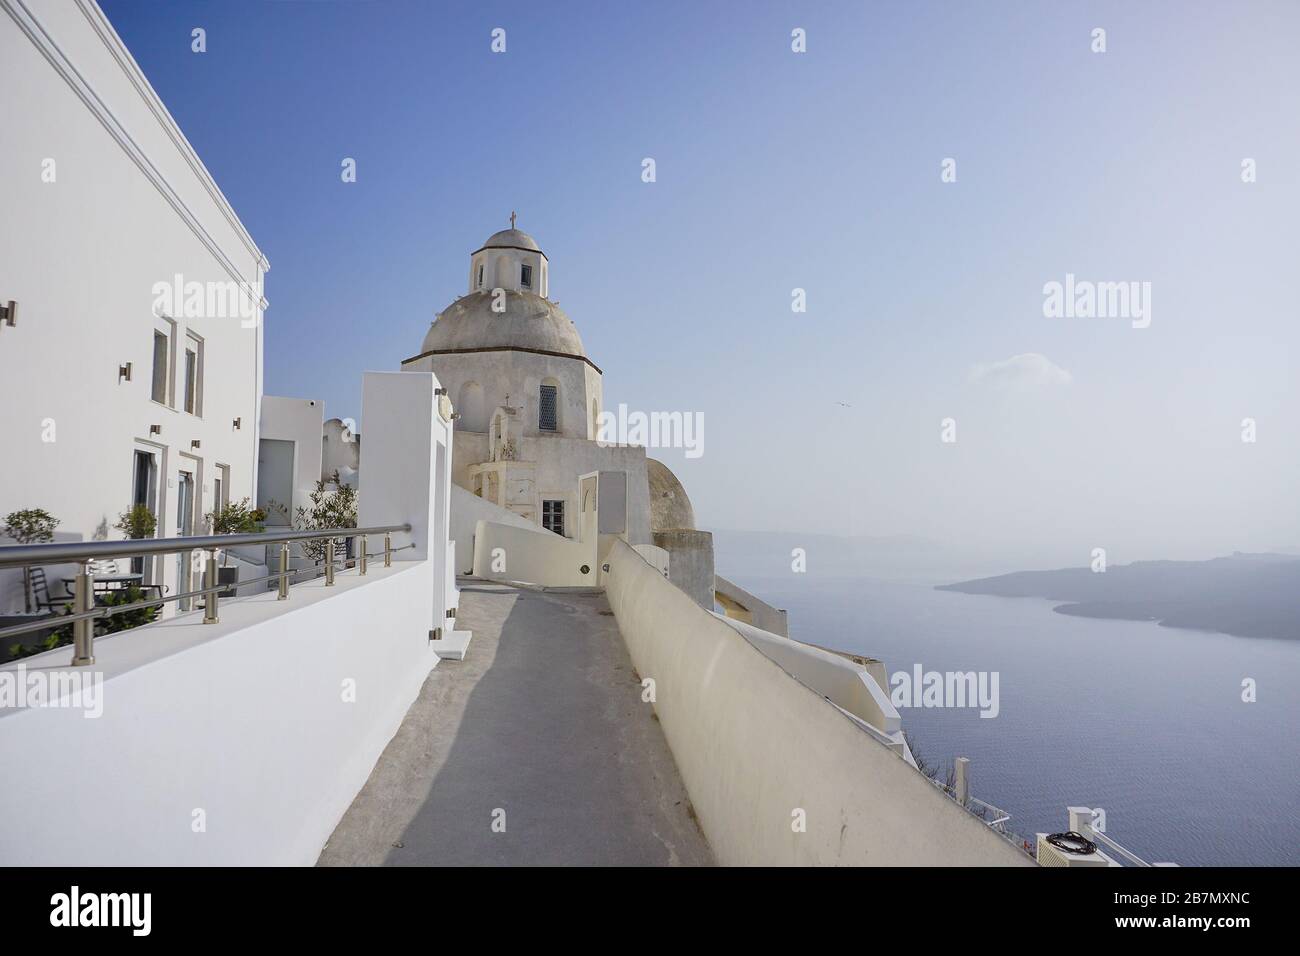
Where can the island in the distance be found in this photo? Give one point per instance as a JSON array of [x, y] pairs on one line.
[[1248, 595]]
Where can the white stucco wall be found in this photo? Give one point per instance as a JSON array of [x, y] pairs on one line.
[[559, 463], [502, 269], [245, 720], [406, 471], [130, 205], [467, 510], [533, 556], [754, 746], [300, 421]]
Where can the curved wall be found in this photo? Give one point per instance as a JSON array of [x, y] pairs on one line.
[[754, 745]]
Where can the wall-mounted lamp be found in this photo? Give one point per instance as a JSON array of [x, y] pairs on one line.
[[194, 443], [124, 372], [155, 429], [236, 423], [9, 313]]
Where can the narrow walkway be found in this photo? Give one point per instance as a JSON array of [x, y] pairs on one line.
[[541, 726]]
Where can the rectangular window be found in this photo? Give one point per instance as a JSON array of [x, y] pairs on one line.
[[480, 277], [159, 393], [553, 516], [546, 417], [526, 277], [194, 374]]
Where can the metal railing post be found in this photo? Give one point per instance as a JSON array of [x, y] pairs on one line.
[[388, 550], [329, 562], [361, 568], [83, 631], [210, 581], [284, 572]]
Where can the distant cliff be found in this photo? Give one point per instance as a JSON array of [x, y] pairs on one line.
[[1249, 595]]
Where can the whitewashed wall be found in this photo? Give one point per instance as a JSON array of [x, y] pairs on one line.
[[302, 422]]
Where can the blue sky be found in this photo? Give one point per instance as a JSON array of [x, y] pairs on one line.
[[821, 171]]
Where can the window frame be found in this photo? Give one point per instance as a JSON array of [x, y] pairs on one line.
[[541, 408], [192, 400], [525, 275], [167, 329], [550, 515]]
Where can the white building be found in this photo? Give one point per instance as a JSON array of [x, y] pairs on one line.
[[118, 390]]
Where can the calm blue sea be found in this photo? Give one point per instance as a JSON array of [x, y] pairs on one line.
[[1144, 721]]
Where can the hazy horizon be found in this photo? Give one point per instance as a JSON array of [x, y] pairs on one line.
[[819, 171]]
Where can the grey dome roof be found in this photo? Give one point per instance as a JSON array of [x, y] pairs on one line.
[[670, 509], [511, 239], [529, 322]]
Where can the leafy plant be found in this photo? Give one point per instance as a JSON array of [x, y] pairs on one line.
[[32, 526], [103, 625], [139, 522], [329, 509], [236, 518]]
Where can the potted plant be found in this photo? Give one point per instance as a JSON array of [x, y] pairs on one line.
[[236, 517], [329, 509], [137, 523], [33, 526]]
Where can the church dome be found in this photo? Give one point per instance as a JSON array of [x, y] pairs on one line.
[[670, 509], [511, 239], [528, 322]]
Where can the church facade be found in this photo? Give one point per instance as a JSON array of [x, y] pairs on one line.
[[528, 401]]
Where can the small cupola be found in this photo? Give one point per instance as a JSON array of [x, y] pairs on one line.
[[512, 260]]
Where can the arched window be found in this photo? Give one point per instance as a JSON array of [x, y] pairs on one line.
[[548, 406], [473, 415]]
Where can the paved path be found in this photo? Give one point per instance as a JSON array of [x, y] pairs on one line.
[[544, 720]]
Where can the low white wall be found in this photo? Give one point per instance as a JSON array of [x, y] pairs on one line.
[[750, 608], [834, 677], [533, 556], [654, 556], [245, 721], [467, 510], [755, 746]]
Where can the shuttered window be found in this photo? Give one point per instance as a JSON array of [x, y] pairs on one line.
[[546, 416]]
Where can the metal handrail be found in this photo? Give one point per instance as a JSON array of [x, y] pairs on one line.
[[1127, 854], [64, 552], [83, 552]]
